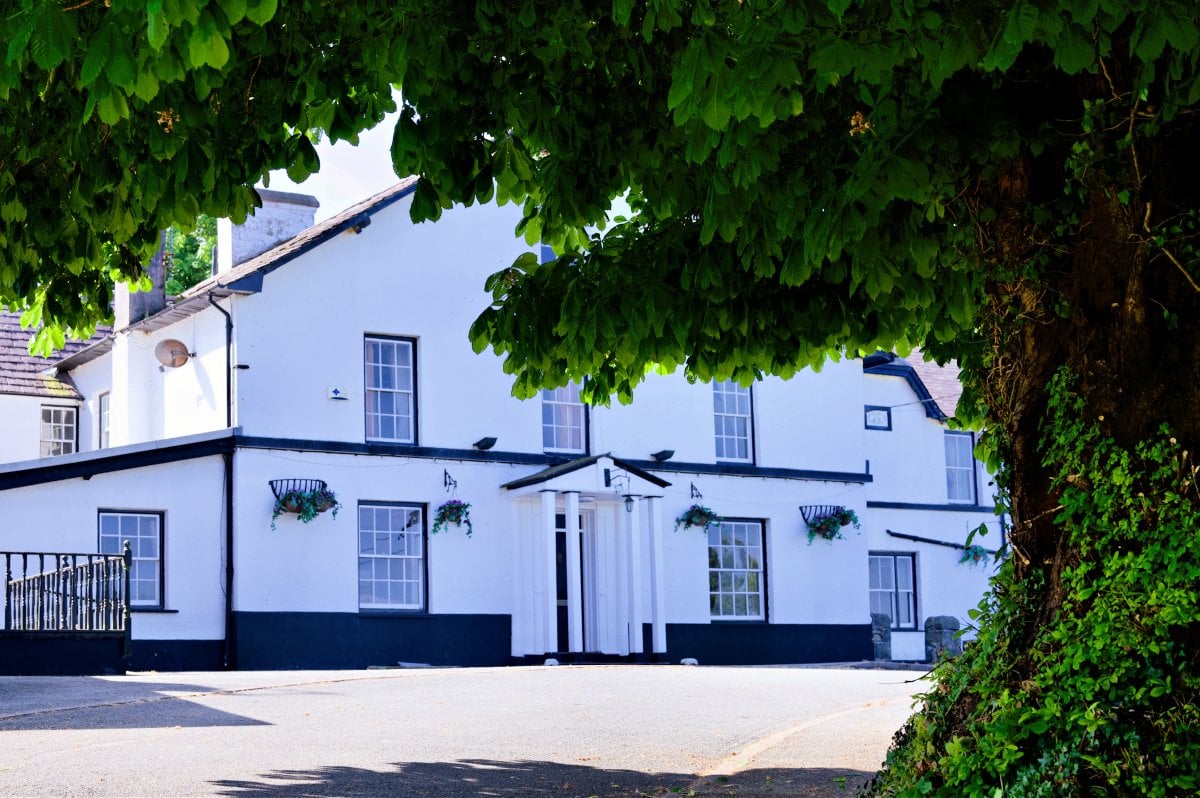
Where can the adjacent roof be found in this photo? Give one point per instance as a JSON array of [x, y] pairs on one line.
[[937, 387], [29, 375]]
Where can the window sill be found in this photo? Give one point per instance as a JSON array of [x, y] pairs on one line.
[[381, 613], [159, 610], [737, 620]]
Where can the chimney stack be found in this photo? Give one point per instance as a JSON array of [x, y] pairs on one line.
[[130, 307], [282, 216]]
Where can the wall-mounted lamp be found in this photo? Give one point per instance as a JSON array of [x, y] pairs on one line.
[[663, 455], [621, 483], [483, 444]]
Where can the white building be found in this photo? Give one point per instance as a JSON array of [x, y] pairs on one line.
[[340, 354]]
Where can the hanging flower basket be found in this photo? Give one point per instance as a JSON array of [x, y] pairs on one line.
[[827, 524], [452, 512], [307, 498], [696, 515], [974, 555]]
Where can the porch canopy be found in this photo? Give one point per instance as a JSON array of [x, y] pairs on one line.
[[604, 579]]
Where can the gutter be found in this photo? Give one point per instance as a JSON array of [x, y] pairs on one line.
[[230, 654]]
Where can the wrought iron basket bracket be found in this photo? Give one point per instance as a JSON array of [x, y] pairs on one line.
[[281, 487], [812, 512]]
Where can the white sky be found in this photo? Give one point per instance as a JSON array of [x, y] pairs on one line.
[[348, 174]]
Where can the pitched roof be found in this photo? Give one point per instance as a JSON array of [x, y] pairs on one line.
[[246, 277], [30, 375], [942, 382], [937, 387], [547, 474]]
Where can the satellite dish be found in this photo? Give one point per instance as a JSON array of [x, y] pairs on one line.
[[171, 353]]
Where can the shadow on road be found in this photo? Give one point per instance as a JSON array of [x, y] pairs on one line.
[[62, 703], [478, 777]]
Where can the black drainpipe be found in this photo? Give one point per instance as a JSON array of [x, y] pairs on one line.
[[230, 654]]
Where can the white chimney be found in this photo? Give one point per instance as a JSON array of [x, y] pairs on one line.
[[281, 217]]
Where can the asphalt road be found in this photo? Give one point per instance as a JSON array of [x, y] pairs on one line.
[[558, 731]]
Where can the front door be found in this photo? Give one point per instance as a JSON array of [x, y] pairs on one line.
[[560, 574]]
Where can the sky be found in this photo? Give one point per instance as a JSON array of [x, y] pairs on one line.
[[348, 174]]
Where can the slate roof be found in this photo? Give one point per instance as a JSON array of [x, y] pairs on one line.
[[942, 382], [29, 375]]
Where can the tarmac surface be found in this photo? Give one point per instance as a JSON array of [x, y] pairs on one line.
[[567, 731]]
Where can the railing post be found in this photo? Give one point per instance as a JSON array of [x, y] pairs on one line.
[[127, 557], [7, 591]]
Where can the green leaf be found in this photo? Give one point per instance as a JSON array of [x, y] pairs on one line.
[[96, 58], [260, 12]]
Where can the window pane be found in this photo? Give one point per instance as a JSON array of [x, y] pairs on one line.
[[731, 421], [735, 572], [391, 568]]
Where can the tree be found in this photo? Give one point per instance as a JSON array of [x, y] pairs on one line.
[[191, 255], [1010, 184]]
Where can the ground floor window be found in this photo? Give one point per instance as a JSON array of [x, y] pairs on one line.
[[893, 588], [391, 556], [144, 533], [735, 570]]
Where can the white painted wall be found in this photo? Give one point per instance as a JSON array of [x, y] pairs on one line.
[[22, 424], [944, 585], [151, 401], [92, 379], [313, 567], [305, 331], [909, 461], [62, 516]]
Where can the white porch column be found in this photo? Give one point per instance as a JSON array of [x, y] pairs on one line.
[[550, 597], [635, 579], [574, 586], [658, 590]]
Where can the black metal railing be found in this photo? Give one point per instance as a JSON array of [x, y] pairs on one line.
[[57, 592]]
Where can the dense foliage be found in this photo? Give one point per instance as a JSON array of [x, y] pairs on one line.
[[1011, 183], [1106, 699]]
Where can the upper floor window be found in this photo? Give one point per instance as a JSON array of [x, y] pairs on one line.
[[960, 467], [391, 393], [564, 420], [102, 411], [59, 426], [732, 421], [735, 571], [893, 588], [391, 556], [144, 533]]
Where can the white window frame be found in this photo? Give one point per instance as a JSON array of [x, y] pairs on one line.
[[392, 546], [737, 571], [388, 387], [564, 420], [59, 430], [886, 587], [144, 531], [960, 466], [103, 414], [733, 422]]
